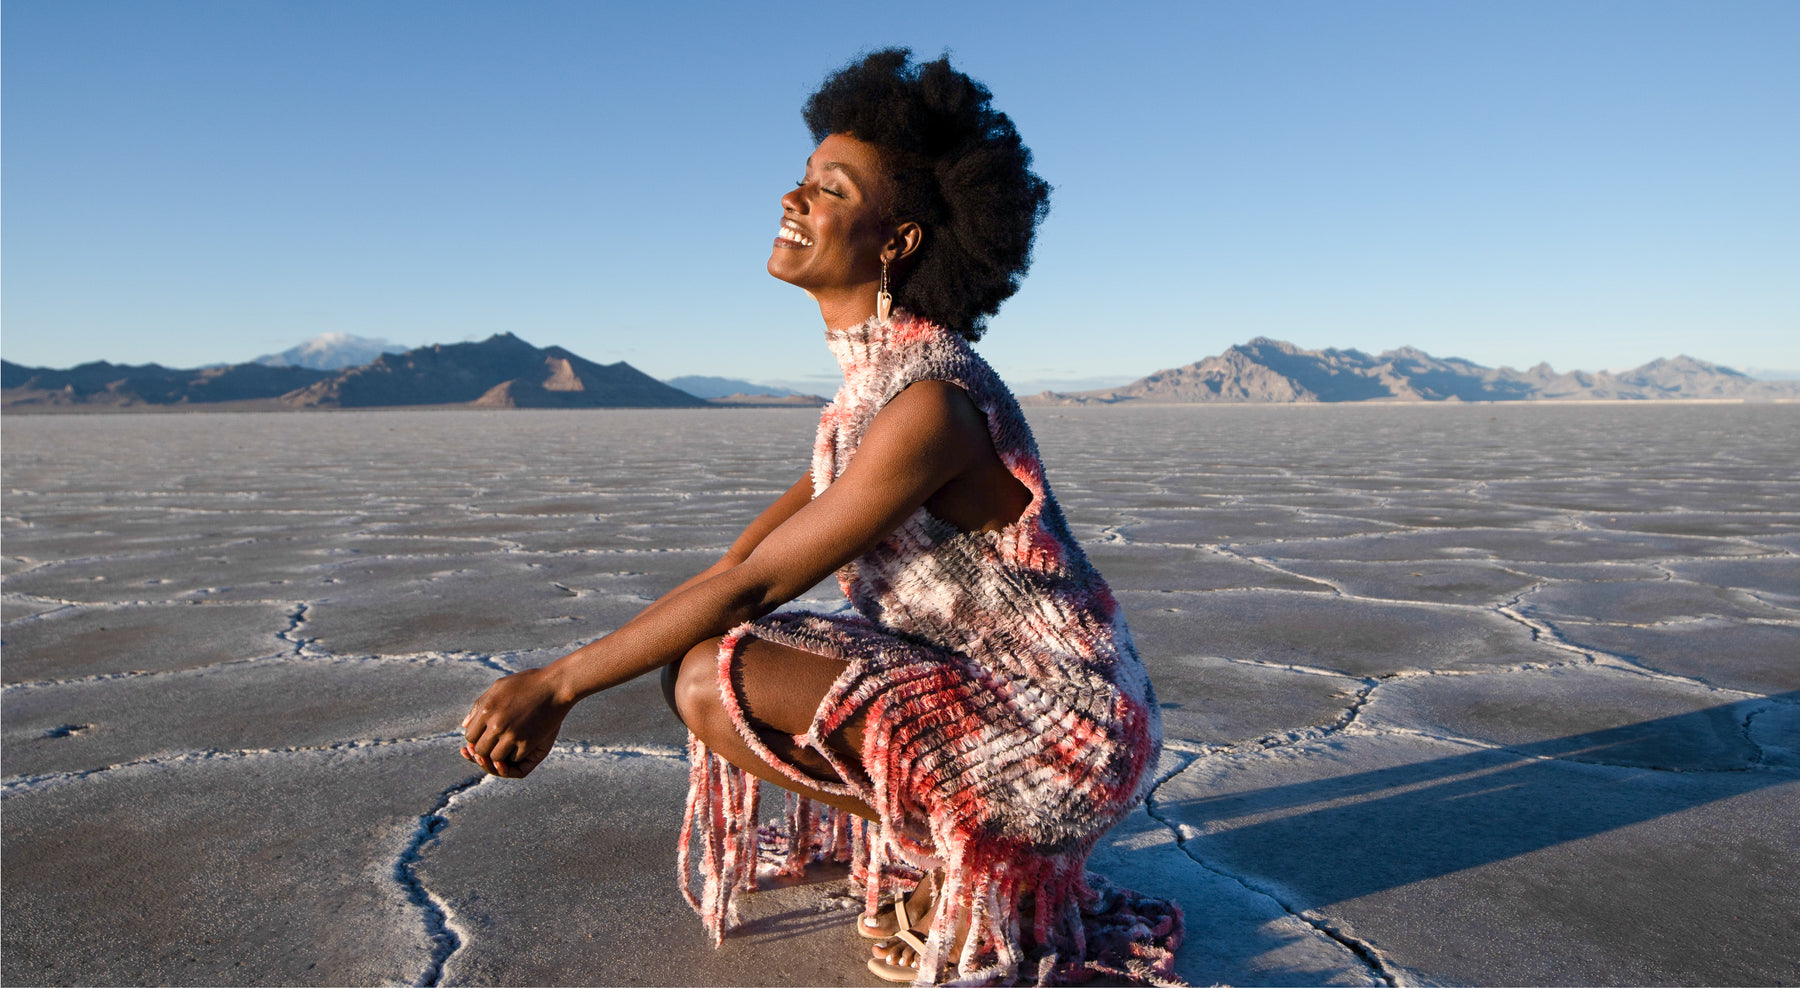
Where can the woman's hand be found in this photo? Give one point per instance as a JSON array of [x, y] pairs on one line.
[[513, 724]]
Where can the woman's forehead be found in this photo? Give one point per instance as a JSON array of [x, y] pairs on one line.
[[841, 152]]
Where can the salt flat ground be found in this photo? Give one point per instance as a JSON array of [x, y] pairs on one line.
[[1457, 695]]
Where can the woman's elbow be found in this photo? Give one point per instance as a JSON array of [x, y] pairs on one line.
[[758, 589]]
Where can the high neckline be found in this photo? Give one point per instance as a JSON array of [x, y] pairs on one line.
[[862, 348], [858, 348]]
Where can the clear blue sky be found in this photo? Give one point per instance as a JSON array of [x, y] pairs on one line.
[[1594, 184]]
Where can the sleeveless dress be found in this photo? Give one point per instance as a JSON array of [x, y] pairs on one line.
[[1008, 719]]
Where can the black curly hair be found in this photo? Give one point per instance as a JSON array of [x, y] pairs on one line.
[[958, 170]]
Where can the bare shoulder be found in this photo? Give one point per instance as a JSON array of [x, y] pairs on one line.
[[931, 410], [937, 427], [932, 428]]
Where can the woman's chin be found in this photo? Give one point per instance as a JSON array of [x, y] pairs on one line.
[[781, 271]]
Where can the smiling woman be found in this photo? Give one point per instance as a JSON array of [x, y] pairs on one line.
[[966, 738], [835, 239]]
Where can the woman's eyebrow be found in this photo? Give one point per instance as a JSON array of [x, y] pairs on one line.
[[848, 171]]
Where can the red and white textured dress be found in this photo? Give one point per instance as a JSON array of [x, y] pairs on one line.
[[1008, 719]]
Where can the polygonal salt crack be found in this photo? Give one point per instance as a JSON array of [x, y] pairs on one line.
[[289, 634], [445, 941], [16, 785]]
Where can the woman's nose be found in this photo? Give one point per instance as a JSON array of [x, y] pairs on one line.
[[793, 200]]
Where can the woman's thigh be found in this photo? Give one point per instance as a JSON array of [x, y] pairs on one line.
[[779, 689]]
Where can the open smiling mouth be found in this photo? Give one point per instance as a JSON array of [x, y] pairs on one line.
[[787, 236]]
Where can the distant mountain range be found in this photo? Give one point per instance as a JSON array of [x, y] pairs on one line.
[[120, 385], [1265, 370], [504, 371], [706, 386]]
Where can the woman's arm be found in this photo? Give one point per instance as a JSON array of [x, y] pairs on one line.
[[779, 511], [929, 434]]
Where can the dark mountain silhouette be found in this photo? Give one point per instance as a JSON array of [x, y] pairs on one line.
[[1265, 370], [502, 371], [499, 372], [125, 385]]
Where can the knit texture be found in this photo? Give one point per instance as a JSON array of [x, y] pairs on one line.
[[1008, 719]]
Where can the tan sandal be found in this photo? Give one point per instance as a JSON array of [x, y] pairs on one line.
[[899, 973], [886, 914]]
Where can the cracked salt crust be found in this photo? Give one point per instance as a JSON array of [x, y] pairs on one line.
[[1437, 713]]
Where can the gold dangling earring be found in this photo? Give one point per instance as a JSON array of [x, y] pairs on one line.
[[884, 303]]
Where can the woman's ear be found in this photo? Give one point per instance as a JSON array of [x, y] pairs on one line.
[[906, 240]]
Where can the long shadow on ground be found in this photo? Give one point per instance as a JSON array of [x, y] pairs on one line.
[[1336, 838]]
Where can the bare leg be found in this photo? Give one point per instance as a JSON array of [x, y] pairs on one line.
[[781, 689]]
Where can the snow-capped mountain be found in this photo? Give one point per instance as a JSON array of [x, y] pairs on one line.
[[332, 352]]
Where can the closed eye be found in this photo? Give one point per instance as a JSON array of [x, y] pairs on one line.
[[801, 184]]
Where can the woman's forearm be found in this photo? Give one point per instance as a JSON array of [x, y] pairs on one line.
[[696, 610], [704, 607], [514, 723]]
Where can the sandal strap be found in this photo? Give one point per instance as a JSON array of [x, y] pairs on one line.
[[904, 933], [913, 941]]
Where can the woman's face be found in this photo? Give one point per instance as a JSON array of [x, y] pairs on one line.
[[831, 234]]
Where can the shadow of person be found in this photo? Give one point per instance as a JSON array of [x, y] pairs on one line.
[[1342, 835]]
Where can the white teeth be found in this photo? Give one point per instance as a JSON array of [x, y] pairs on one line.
[[788, 233]]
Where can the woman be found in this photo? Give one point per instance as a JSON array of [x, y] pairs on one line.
[[984, 718]]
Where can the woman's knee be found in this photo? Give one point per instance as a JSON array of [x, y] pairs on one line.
[[691, 686]]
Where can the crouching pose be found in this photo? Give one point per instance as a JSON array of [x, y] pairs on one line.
[[966, 737]]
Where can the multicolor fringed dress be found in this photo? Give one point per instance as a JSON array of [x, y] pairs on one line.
[[1008, 719]]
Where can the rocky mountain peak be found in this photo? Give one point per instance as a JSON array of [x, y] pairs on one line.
[[1267, 370]]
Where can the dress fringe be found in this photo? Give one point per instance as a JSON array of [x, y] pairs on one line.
[[1081, 927]]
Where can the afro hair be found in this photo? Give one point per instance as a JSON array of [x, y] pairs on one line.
[[959, 170]]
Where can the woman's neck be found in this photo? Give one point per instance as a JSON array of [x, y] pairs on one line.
[[851, 307]]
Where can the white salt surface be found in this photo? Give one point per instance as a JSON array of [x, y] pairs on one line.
[[1454, 695]]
